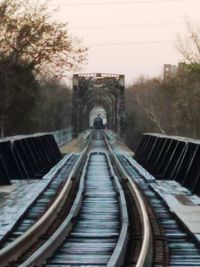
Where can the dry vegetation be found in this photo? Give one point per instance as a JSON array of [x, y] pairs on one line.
[[35, 53], [171, 107]]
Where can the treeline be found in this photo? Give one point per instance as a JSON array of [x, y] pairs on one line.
[[170, 107], [35, 53], [30, 105], [53, 108]]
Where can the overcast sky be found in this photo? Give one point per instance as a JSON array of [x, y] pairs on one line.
[[132, 37]]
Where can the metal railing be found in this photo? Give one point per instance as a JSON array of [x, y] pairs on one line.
[[63, 136]]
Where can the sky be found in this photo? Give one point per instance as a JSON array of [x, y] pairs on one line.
[[130, 37]]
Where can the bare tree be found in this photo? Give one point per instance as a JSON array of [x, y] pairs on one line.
[[188, 44], [144, 90], [32, 45], [30, 36]]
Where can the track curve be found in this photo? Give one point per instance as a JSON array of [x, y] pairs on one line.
[[95, 230]]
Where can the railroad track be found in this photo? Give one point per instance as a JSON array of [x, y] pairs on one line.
[[57, 179], [176, 247], [87, 224], [95, 236]]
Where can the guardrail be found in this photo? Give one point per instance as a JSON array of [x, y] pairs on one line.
[[27, 156], [62, 136], [171, 157]]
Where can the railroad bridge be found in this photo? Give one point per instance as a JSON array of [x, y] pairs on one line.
[[91, 201], [98, 93]]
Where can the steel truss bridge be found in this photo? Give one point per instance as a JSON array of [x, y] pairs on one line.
[[100, 206], [91, 90]]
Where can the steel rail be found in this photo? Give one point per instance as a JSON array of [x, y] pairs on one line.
[[145, 256], [16, 248], [119, 252], [47, 249], [39, 256]]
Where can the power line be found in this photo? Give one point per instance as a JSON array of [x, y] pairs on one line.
[[130, 43], [122, 3], [117, 26]]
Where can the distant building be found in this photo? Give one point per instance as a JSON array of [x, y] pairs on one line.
[[171, 71], [181, 67]]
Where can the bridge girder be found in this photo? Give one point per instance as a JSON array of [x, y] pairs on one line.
[[90, 90]]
